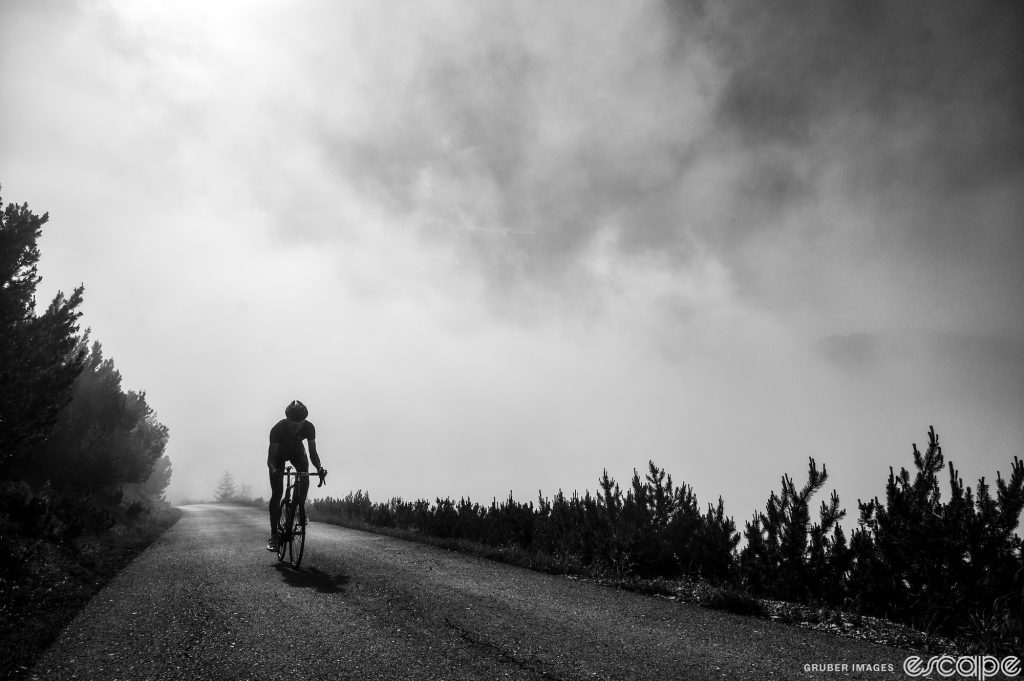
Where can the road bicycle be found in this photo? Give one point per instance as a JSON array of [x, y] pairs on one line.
[[291, 528]]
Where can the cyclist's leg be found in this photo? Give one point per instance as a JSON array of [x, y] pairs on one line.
[[301, 464], [276, 490]]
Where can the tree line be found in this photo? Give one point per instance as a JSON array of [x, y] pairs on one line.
[[78, 452], [953, 567]]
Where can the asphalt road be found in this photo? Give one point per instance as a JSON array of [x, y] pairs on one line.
[[207, 601]]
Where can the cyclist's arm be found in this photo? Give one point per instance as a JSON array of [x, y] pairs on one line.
[[313, 453], [271, 455]]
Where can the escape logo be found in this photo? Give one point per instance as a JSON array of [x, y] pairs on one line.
[[979, 667]]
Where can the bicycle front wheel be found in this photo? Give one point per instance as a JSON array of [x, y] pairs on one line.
[[284, 533]]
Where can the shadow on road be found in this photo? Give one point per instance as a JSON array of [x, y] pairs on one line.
[[312, 578]]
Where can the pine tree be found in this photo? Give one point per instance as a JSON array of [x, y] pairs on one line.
[[40, 357], [942, 565], [226, 490], [160, 477], [104, 438], [786, 555]]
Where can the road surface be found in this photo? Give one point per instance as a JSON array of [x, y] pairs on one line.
[[207, 601]]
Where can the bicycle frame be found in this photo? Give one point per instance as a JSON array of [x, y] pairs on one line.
[[292, 523]]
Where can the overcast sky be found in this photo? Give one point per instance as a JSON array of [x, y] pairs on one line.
[[500, 246]]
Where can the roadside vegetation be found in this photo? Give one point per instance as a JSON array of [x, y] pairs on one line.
[[950, 571], [82, 464]]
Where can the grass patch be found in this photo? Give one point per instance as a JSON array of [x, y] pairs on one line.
[[731, 600], [45, 581]]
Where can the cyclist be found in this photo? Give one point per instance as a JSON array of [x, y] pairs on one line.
[[286, 446]]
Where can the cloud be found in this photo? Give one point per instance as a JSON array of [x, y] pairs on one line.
[[882, 146], [885, 140], [503, 246]]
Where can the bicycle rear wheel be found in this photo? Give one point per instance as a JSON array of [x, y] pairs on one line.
[[298, 543]]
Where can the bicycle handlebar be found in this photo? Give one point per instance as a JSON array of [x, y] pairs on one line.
[[288, 471]]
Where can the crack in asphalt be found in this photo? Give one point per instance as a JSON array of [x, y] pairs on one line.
[[501, 652]]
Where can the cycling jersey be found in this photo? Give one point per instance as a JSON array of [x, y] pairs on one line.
[[288, 440]]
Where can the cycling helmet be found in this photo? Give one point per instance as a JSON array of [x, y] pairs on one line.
[[296, 411]]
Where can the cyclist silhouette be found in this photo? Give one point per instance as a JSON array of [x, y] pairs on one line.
[[286, 447]]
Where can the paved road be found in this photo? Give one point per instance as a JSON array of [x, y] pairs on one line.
[[207, 601]]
